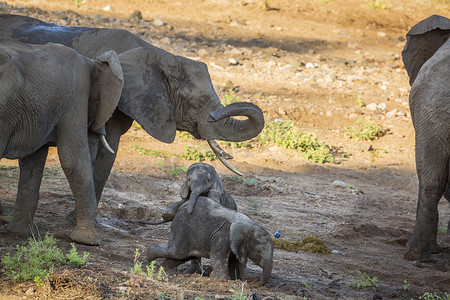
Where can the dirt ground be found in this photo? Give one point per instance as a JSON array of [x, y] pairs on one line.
[[322, 64]]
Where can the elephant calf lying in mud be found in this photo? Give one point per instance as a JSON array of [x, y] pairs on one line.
[[214, 231]]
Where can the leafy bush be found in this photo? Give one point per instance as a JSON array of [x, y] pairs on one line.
[[194, 154], [363, 280], [40, 258], [366, 130], [285, 134], [231, 97], [434, 296]]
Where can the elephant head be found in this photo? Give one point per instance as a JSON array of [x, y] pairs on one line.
[[203, 180], [165, 93], [422, 41], [250, 240]]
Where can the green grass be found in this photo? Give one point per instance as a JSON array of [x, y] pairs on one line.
[[362, 280], [285, 134], [359, 101], [37, 260], [197, 155], [150, 269], [231, 97], [377, 4], [151, 152], [434, 296], [367, 130]]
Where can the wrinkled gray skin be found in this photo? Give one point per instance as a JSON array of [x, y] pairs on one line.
[[427, 60], [51, 94], [162, 92], [214, 231], [201, 180]]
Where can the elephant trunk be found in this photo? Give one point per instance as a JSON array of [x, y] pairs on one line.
[[267, 270], [193, 197], [229, 129]]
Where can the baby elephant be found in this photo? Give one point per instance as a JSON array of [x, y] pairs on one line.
[[201, 180], [214, 231]]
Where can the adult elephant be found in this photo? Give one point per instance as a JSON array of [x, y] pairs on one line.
[[162, 92], [52, 94], [427, 60]]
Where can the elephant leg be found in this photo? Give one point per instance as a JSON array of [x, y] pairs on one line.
[[219, 261], [174, 258], [235, 268], [73, 151], [433, 175], [31, 170], [115, 127]]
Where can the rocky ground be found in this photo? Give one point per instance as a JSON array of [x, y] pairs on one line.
[[322, 64]]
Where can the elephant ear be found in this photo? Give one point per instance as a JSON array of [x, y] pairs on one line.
[[238, 240], [107, 82], [422, 41], [145, 95]]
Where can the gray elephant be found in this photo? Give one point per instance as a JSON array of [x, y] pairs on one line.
[[201, 180], [162, 92], [427, 60], [214, 231], [52, 94]]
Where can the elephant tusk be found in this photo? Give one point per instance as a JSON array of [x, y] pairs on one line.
[[220, 153], [216, 149], [105, 143]]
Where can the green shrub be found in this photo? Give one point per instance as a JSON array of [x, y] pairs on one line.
[[362, 280], [366, 130], [178, 169], [194, 154], [434, 296], [231, 97], [39, 259], [285, 134]]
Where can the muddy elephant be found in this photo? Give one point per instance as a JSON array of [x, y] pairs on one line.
[[214, 231], [427, 60], [201, 180], [53, 95], [162, 92]]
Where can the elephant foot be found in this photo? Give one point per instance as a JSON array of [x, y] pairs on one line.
[[86, 236], [417, 255], [152, 251], [435, 248], [21, 228]]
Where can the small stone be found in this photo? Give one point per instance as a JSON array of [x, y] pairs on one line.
[[165, 41], [202, 53], [372, 106], [158, 23], [392, 113], [382, 106], [338, 183], [136, 15], [233, 62], [107, 8], [310, 65], [381, 34]]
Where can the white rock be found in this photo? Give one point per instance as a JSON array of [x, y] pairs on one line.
[[338, 183], [392, 113], [107, 8], [382, 106], [310, 65], [381, 34], [158, 23], [372, 106]]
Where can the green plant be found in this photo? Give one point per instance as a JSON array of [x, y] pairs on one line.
[[74, 259], [358, 101], [162, 276], [151, 152], [378, 4], [255, 202], [240, 293], [137, 268], [285, 134], [151, 269], [178, 169], [194, 154], [77, 3], [34, 262], [434, 296], [366, 130], [363, 280], [231, 97], [442, 229], [184, 134], [405, 285]]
